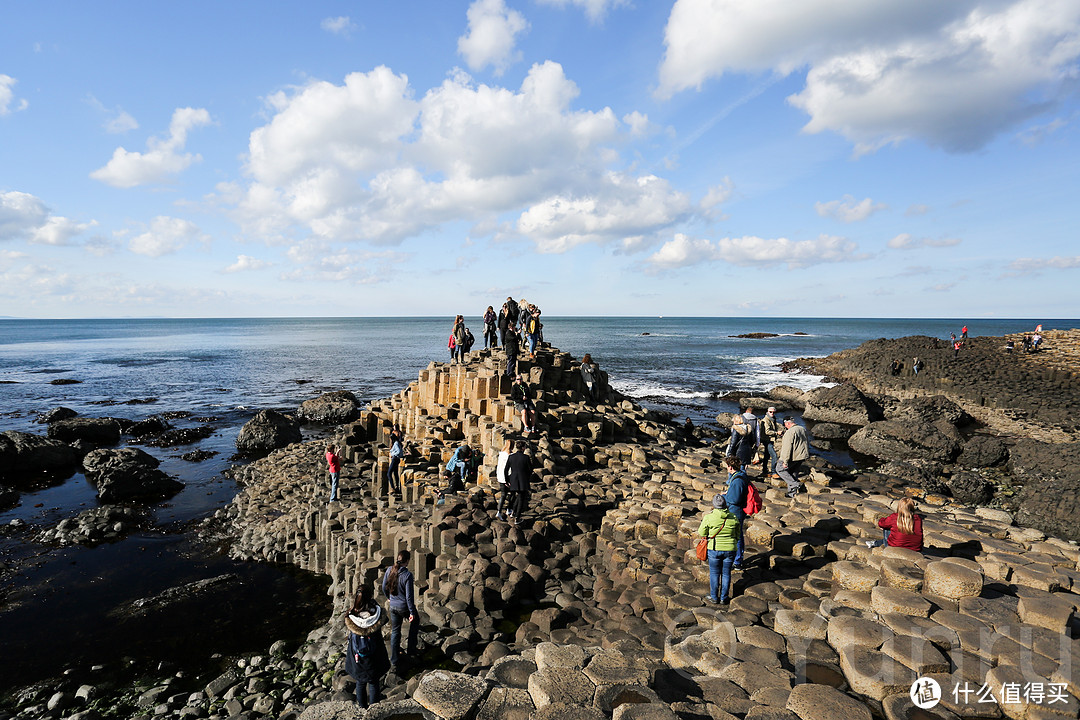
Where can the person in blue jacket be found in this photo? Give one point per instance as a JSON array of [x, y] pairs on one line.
[[393, 478], [397, 584], [457, 467], [736, 500]]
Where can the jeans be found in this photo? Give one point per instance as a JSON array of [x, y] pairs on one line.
[[739, 544], [489, 337], [532, 342], [334, 485], [504, 497], [789, 475], [396, 618], [720, 562], [770, 454], [884, 540], [367, 693], [392, 477]]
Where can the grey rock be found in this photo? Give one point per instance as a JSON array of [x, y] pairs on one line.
[[893, 440], [970, 488], [24, 456], [450, 695], [57, 413], [267, 431], [333, 408], [983, 451], [96, 431], [843, 404], [128, 474]]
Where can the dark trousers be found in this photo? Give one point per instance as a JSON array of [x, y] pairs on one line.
[[367, 693], [396, 618], [392, 476], [511, 361]]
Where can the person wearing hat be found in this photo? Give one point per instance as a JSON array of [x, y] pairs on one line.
[[721, 528], [794, 451], [366, 659], [771, 432]]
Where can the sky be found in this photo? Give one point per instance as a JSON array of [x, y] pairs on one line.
[[831, 158]]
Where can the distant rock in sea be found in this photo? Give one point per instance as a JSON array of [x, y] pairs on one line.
[[756, 336]]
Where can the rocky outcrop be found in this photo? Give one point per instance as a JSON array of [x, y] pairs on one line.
[[842, 404], [96, 431], [267, 431], [57, 413], [128, 474], [26, 459], [95, 526], [1050, 496], [929, 409], [333, 408], [893, 440], [982, 451]]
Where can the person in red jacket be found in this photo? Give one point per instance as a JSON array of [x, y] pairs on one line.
[[901, 529]]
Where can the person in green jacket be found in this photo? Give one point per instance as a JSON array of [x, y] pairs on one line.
[[721, 527]]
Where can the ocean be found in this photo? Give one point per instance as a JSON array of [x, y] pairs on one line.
[[222, 371]]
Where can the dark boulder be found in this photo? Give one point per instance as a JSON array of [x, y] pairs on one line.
[[268, 431], [333, 408], [128, 474], [8, 498], [983, 451], [98, 431], [57, 413], [843, 404], [1050, 497], [971, 488], [929, 409], [918, 472], [149, 426], [832, 431], [761, 404], [27, 457], [892, 440]]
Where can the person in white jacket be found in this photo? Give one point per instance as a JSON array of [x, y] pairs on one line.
[[500, 475]]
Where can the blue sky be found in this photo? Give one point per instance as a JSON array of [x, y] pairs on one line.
[[597, 157]]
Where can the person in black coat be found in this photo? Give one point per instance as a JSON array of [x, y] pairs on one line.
[[366, 658], [510, 342], [518, 478]]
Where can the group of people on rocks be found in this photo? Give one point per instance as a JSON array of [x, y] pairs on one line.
[[751, 435], [516, 322]]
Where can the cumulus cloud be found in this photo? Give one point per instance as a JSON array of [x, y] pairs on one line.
[[847, 210], [595, 10], [638, 122], [717, 196], [25, 217], [1034, 266], [365, 161], [952, 74], [246, 262], [906, 241], [752, 251], [491, 36], [7, 96], [164, 156], [167, 235], [341, 25]]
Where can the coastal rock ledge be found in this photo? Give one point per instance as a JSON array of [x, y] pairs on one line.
[[592, 605]]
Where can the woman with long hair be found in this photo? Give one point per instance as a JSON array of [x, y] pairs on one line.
[[901, 529], [491, 338], [365, 654], [397, 585]]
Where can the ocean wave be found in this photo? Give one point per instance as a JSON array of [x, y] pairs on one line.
[[649, 389]]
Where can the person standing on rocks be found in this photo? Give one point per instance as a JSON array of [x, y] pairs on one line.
[[916, 366], [522, 396], [333, 461], [500, 475], [721, 527], [590, 373], [736, 501], [365, 655], [508, 316], [901, 529], [510, 342], [490, 338], [794, 451], [771, 433], [744, 441], [458, 339], [397, 585], [532, 329], [963, 333], [518, 478], [393, 479]]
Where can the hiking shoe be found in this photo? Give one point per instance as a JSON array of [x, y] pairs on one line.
[[498, 516], [711, 600], [871, 543]]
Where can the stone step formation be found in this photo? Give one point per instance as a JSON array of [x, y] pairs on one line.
[[592, 605]]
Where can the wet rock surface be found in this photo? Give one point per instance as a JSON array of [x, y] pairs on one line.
[[333, 408], [95, 526], [128, 474], [267, 431], [26, 458]]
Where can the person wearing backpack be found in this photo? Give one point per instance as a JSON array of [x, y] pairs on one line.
[[397, 585], [722, 529], [365, 653], [744, 441], [737, 490]]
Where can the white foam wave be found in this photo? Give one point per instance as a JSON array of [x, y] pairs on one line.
[[647, 389]]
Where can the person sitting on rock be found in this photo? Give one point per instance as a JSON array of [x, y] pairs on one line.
[[901, 529], [722, 529], [457, 468], [365, 654]]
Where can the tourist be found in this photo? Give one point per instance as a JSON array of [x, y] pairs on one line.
[[522, 396], [333, 461], [510, 342], [916, 366], [743, 443], [459, 338], [721, 527], [490, 338], [524, 313], [457, 467], [397, 585], [771, 433], [532, 329], [397, 451], [794, 450], [508, 317], [963, 333], [1036, 341], [467, 343], [901, 529], [956, 348], [736, 493], [500, 475], [895, 368], [1009, 346], [518, 478], [365, 657], [590, 373]]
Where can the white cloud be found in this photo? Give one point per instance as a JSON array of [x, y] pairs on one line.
[[916, 209], [167, 235], [319, 261], [117, 121], [717, 196], [595, 10], [25, 217], [752, 251], [341, 25], [7, 95], [638, 122], [491, 35], [905, 241], [246, 262], [952, 74], [847, 210], [164, 156], [1031, 266]]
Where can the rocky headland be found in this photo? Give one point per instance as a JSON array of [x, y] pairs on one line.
[[592, 605]]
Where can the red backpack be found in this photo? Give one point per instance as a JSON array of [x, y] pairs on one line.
[[753, 499]]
